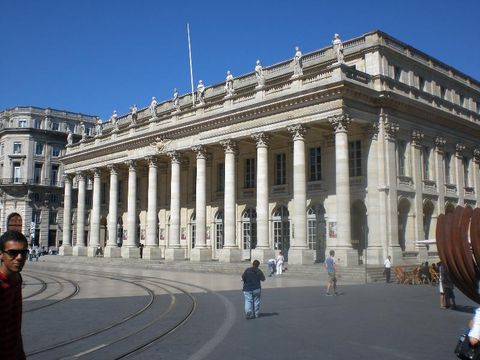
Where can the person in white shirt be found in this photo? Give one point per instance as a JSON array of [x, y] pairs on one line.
[[387, 265], [279, 264]]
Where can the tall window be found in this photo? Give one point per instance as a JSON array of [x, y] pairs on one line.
[[421, 83], [426, 163], [119, 192], [466, 171], [443, 92], [55, 126], [312, 229], [22, 123], [37, 173], [461, 100], [36, 216], [17, 147], [37, 123], [193, 229], [17, 173], [397, 73], [221, 177], [315, 164], [355, 158], [280, 169], [249, 229], [401, 148], [53, 217], [219, 241], [38, 148], [249, 173], [447, 160], [71, 127], [54, 175], [281, 229]]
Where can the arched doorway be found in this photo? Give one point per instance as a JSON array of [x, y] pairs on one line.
[[14, 222], [317, 231], [428, 208], [249, 232], [403, 212], [219, 241], [359, 226], [281, 230], [449, 208]]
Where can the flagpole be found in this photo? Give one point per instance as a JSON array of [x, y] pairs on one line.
[[191, 67]]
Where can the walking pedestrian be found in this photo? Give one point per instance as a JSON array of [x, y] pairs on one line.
[[279, 263], [14, 252], [252, 289], [271, 267], [387, 268], [331, 271]]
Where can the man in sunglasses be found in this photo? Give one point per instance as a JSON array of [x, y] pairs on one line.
[[13, 253]]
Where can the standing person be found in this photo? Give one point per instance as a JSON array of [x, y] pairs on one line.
[[331, 271], [279, 263], [387, 265], [271, 266], [252, 289], [14, 252]]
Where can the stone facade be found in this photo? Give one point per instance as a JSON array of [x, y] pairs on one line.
[[32, 141], [358, 155]]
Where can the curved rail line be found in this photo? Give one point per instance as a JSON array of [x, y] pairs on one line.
[[42, 289], [76, 290], [98, 331]]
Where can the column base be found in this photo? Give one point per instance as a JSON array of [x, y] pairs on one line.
[[174, 254], [92, 251], [111, 252], [230, 255], [375, 256], [397, 255], [79, 251], [65, 250], [130, 252], [346, 256], [201, 254], [300, 256], [152, 253], [262, 255]]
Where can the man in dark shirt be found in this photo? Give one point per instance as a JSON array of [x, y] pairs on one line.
[[252, 290], [13, 253]]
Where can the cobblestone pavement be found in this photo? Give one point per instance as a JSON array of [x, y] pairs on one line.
[[101, 311]]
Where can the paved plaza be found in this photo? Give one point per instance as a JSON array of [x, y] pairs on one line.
[[105, 311]]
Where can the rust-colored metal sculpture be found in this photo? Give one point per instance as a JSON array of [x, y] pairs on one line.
[[458, 243]]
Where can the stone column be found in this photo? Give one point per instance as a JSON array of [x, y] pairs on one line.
[[152, 251], [80, 248], [476, 174], [130, 248], [459, 149], [200, 252], [374, 237], [440, 142], [174, 252], [299, 252], [417, 141], [66, 248], [230, 251], [344, 252], [95, 215], [112, 250], [263, 251], [390, 130]]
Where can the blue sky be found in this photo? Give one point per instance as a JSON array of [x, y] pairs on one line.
[[94, 56]]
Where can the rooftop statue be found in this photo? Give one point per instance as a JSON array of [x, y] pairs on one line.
[[259, 74], [98, 127], [338, 48], [229, 84], [134, 113], [114, 120], [153, 107], [297, 62], [201, 92], [176, 100], [69, 137], [83, 130]]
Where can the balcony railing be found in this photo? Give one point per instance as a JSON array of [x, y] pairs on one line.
[[25, 181]]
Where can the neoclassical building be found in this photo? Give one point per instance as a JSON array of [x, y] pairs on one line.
[[32, 141], [355, 147]]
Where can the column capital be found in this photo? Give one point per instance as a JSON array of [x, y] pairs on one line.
[[113, 168], [440, 142], [175, 156], [417, 137], [97, 172], [229, 146], [68, 178], [391, 130], [131, 165], [476, 154], [152, 161], [297, 131], [200, 151], [261, 139], [80, 174], [372, 130], [340, 122], [459, 149]]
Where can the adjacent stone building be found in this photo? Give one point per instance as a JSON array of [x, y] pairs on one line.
[[355, 147], [32, 141]]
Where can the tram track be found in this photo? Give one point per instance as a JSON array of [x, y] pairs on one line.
[[27, 283]]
